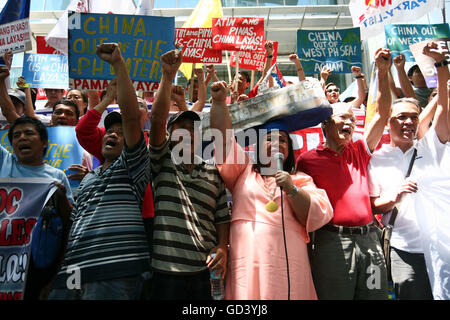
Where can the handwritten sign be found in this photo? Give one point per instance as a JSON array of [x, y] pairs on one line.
[[21, 202], [338, 49], [63, 148], [15, 36], [46, 70], [238, 34], [197, 45], [142, 41], [253, 60], [400, 36]]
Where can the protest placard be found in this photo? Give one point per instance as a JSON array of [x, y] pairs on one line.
[[142, 41], [63, 148], [426, 63], [21, 203], [399, 37], [253, 60], [238, 34], [15, 26], [46, 70], [197, 45], [339, 49]]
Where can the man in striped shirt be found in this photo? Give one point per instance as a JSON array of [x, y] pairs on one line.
[[107, 249], [191, 212]]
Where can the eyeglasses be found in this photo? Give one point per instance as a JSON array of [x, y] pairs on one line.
[[331, 90]]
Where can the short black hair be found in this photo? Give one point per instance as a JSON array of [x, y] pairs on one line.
[[69, 103], [245, 74], [38, 125], [412, 69]]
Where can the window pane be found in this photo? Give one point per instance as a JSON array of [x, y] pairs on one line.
[[51, 5]]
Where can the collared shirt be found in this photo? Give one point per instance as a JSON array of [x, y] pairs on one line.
[[344, 178], [387, 170], [187, 208], [107, 239]]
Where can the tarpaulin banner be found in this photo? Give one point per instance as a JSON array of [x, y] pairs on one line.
[[21, 202], [371, 15], [142, 41], [339, 49]]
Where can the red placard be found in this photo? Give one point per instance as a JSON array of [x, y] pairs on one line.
[[197, 45], [253, 60], [238, 34], [43, 47]]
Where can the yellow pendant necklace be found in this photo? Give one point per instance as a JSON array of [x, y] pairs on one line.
[[271, 206]]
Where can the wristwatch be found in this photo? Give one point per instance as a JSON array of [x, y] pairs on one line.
[[442, 63], [293, 191]]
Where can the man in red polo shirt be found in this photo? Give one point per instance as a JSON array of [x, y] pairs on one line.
[[347, 259]]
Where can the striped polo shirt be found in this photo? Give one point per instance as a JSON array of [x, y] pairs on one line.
[[107, 239], [187, 208]]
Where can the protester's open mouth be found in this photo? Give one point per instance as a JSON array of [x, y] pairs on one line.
[[346, 131], [24, 148], [408, 132], [111, 143]]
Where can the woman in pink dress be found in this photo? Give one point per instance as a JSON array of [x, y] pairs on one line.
[[257, 267]]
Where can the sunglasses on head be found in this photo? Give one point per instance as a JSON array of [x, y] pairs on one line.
[[331, 90]]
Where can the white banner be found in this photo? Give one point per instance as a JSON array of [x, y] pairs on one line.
[[432, 203], [372, 15]]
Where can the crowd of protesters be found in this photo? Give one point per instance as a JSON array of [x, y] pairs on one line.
[[148, 223]]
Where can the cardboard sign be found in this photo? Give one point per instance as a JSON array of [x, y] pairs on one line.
[[46, 70], [44, 48], [142, 41], [399, 37], [15, 36], [197, 45], [253, 60], [426, 63], [338, 49], [238, 34]]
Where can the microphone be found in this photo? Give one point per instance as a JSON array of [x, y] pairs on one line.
[[279, 157]]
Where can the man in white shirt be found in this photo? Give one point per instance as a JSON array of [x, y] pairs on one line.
[[389, 188]]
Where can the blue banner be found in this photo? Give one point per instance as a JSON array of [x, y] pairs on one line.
[[339, 49], [21, 202], [63, 149], [15, 10], [400, 36], [46, 71], [142, 40]]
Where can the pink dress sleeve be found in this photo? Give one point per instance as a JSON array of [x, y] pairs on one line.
[[320, 210], [235, 164]]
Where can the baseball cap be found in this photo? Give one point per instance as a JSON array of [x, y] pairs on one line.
[[181, 115], [17, 94], [112, 118]]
